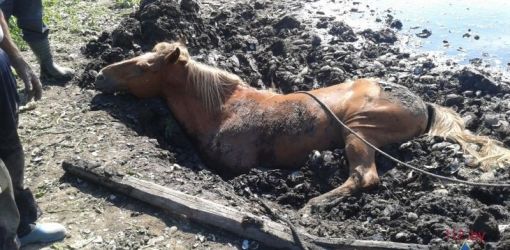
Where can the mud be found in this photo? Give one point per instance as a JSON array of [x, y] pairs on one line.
[[289, 46]]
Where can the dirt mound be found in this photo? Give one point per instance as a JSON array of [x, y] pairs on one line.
[[289, 52]]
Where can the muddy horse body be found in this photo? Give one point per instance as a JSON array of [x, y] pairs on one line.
[[237, 127], [261, 128]]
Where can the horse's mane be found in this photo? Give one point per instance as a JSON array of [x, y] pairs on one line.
[[210, 84]]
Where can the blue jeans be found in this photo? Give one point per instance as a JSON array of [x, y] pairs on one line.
[[29, 14]]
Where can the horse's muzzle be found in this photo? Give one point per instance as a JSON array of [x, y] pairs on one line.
[[103, 84]]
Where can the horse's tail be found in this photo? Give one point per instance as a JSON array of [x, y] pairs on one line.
[[449, 124]]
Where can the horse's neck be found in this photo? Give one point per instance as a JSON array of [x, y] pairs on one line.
[[191, 113]]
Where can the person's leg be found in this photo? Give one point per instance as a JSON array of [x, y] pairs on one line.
[[9, 215], [11, 153], [14, 160], [30, 19]]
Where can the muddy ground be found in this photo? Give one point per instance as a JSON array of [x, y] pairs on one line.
[[287, 46]]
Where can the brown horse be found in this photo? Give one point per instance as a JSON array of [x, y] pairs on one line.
[[236, 127]]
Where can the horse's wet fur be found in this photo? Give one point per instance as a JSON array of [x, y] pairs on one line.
[[263, 124], [400, 94]]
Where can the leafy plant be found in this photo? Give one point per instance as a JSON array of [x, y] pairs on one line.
[[17, 34]]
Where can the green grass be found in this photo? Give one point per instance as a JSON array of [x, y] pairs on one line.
[[73, 16], [17, 35], [127, 3]]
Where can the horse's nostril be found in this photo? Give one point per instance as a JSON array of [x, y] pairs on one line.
[[100, 77]]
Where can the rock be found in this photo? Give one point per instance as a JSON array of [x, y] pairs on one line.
[[453, 99], [329, 75], [471, 79], [342, 31], [259, 5], [315, 156], [476, 61], [486, 223], [504, 243], [328, 157], [396, 24], [412, 216], [287, 22], [441, 191], [190, 6], [499, 212], [491, 120], [279, 48], [404, 236], [381, 36], [425, 33], [172, 230], [316, 41], [440, 146]]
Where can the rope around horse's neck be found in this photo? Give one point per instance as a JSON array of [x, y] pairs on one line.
[[470, 183]]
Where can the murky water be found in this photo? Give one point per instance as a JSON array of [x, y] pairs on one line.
[[461, 29]]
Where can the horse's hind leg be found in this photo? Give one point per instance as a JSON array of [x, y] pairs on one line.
[[363, 173]]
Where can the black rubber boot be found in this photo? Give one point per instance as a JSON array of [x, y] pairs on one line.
[[49, 68], [9, 215], [27, 207]]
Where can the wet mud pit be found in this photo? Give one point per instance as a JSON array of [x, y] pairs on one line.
[[292, 45]]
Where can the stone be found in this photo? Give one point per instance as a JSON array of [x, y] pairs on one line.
[[424, 33], [287, 22], [412, 216], [453, 99], [471, 79]]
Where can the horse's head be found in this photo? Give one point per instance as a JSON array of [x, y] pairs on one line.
[[144, 75]]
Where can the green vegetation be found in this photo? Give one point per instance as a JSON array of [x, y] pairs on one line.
[[17, 35], [127, 3], [74, 16]]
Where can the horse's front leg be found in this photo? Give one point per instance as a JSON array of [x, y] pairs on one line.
[[363, 174]]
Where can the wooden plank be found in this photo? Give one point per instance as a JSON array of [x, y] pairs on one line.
[[207, 212]]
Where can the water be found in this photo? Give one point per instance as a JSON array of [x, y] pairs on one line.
[[448, 20], [451, 21]]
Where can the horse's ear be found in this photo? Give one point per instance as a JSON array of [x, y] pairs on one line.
[[173, 57]]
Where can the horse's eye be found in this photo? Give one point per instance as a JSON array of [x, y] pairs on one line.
[[148, 66]]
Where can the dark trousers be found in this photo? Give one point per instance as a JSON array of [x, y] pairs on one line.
[[29, 14], [9, 215], [11, 152]]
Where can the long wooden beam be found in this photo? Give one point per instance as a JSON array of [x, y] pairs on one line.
[[207, 212]]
